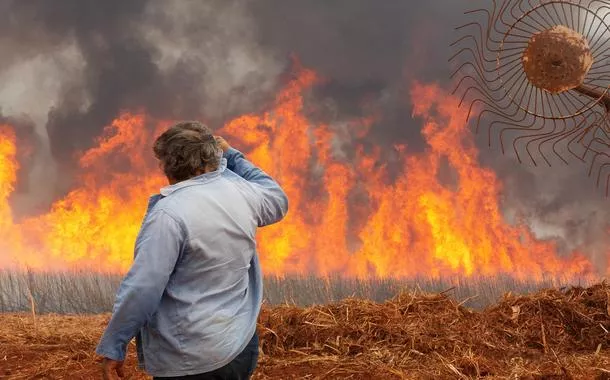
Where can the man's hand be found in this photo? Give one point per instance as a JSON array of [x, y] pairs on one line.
[[112, 369], [222, 143]]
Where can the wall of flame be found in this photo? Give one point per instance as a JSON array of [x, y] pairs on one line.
[[415, 225]]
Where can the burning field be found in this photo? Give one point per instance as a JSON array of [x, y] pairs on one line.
[[423, 222], [369, 206], [417, 224], [550, 335]]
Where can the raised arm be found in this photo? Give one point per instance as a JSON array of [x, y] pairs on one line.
[[273, 200], [158, 247]]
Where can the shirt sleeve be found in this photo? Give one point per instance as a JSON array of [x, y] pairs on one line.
[[273, 200], [158, 247]]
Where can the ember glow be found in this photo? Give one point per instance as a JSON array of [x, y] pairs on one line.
[[413, 225]]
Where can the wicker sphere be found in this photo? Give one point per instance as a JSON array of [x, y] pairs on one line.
[[557, 59]]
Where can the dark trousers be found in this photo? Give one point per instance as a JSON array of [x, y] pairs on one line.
[[240, 368]]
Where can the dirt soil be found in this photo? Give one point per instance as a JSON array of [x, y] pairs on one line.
[[554, 334]]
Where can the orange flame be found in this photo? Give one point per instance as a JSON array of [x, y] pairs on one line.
[[413, 226], [8, 177]]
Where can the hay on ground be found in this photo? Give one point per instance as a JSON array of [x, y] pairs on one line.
[[553, 334]]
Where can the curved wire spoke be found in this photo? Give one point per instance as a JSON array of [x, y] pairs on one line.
[[569, 126]]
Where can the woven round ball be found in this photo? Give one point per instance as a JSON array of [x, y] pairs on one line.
[[557, 59]]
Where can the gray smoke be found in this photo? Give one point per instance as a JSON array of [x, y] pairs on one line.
[[175, 60], [72, 66]]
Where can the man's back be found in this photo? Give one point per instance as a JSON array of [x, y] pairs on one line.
[[211, 301], [194, 291]]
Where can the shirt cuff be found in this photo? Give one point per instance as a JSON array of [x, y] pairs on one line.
[[229, 153], [112, 353]]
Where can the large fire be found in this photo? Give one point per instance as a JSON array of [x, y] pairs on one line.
[[414, 225]]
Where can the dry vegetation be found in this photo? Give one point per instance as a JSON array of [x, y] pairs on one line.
[[553, 334], [85, 292]]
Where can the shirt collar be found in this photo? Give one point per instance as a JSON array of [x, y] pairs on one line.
[[200, 179]]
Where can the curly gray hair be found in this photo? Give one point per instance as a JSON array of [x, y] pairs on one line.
[[186, 150]]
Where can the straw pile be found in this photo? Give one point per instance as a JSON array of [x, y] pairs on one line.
[[554, 334]]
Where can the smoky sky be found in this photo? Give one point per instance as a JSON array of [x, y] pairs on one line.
[[119, 71], [213, 60], [364, 49]]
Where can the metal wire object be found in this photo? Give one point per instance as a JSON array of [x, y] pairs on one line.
[[538, 75]]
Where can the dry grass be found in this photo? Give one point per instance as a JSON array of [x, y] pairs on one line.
[[552, 334], [86, 292]]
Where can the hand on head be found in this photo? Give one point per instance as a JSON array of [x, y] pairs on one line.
[[222, 143]]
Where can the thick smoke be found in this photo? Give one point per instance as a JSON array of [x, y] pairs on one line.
[[73, 65], [367, 51], [175, 60]]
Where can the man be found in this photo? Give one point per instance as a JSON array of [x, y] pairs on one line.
[[194, 291]]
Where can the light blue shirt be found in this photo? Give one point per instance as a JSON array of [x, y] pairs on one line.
[[194, 291]]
